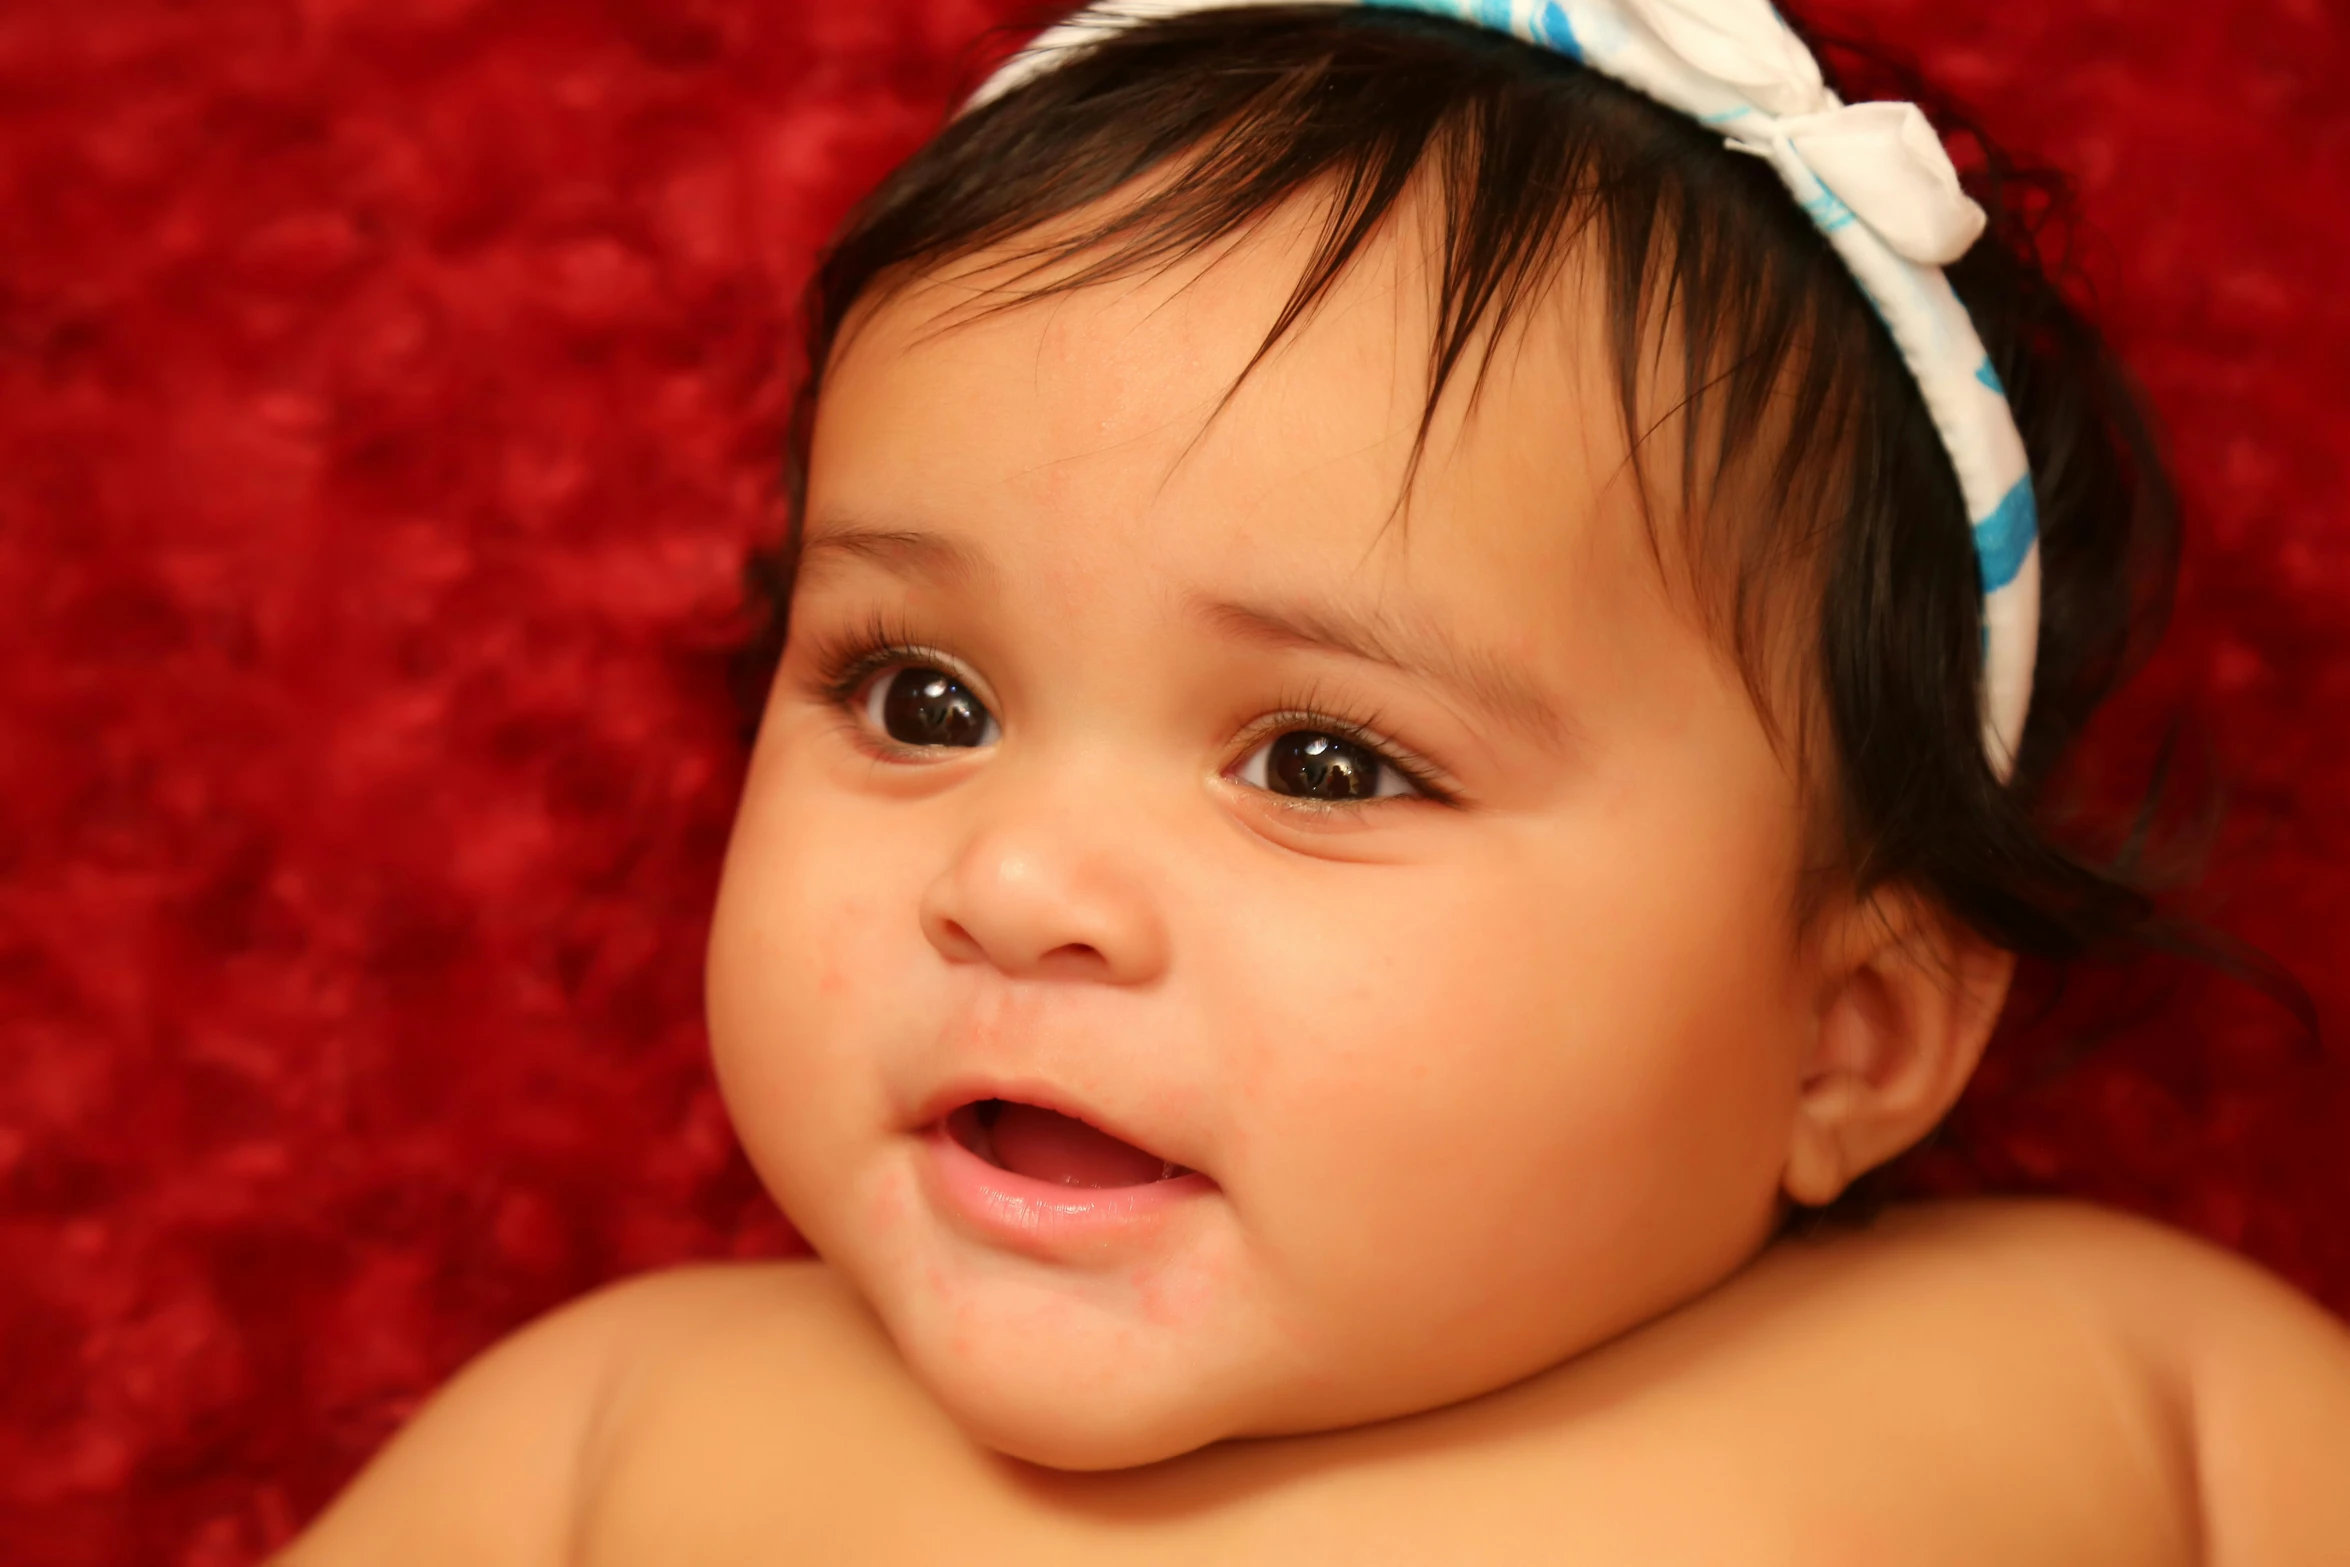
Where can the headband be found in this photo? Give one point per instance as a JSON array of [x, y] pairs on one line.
[[1873, 177]]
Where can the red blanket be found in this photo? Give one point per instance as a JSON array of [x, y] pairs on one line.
[[388, 392]]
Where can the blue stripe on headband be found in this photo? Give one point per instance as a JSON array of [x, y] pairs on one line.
[[2004, 539]]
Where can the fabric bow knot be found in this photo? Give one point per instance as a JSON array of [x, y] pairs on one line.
[[1882, 160]]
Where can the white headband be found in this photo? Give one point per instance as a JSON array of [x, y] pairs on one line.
[[1874, 178]]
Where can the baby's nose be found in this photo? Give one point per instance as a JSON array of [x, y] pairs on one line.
[[1032, 899]]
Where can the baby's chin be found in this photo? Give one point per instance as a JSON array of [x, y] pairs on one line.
[[1056, 1422], [1092, 1396], [1073, 1368]]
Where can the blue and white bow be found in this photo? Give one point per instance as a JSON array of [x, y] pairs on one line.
[[1873, 176]]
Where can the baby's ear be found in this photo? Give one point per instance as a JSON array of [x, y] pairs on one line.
[[1907, 999]]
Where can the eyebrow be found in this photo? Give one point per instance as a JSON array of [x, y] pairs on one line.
[[1425, 652], [907, 551]]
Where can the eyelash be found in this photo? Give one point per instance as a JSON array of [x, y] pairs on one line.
[[1304, 711], [846, 661]]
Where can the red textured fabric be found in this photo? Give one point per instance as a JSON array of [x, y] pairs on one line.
[[388, 394]]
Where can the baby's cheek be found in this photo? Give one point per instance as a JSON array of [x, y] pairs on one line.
[[796, 953], [1381, 1053], [1488, 1097]]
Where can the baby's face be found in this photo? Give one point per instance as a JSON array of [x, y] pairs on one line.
[[1206, 956]]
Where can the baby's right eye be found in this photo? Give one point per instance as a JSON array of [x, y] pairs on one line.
[[922, 706]]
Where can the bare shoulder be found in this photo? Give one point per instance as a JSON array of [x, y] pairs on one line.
[[2184, 1305], [2264, 1371], [2240, 1381], [493, 1467], [2061, 1230]]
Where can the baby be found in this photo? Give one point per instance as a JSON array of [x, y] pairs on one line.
[[1422, 653]]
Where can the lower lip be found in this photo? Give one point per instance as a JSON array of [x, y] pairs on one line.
[[1050, 1220]]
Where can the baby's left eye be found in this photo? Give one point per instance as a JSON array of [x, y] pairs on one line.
[[1308, 764]]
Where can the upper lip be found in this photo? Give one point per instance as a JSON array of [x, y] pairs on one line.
[[1044, 1096]]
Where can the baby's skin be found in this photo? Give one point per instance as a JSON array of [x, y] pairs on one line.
[[1967, 1385], [1291, 1024]]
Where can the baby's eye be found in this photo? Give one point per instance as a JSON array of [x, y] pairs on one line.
[[1308, 764], [922, 706]]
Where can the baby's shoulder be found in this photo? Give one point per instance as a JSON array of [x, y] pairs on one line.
[[2034, 1274], [1986, 1258], [2049, 1326], [505, 1462]]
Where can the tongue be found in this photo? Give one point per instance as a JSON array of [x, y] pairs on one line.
[[1049, 1146]]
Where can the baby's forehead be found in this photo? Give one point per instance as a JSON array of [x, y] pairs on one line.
[[1153, 397]]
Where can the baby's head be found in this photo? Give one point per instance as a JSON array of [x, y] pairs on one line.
[[1377, 760]]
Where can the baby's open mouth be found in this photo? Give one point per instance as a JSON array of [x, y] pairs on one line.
[[1046, 1145]]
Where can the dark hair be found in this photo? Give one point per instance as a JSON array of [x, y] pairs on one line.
[[1790, 383]]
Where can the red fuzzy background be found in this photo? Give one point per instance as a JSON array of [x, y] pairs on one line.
[[389, 391]]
